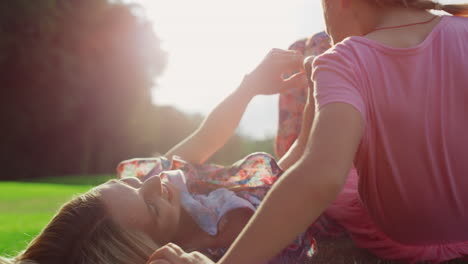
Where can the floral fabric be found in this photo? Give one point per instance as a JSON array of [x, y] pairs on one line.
[[206, 209], [250, 178], [292, 102]]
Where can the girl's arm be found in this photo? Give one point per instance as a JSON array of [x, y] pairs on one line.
[[231, 224], [303, 191], [222, 122], [296, 151], [308, 187]]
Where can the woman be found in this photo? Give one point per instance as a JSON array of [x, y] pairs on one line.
[[390, 99], [125, 221]]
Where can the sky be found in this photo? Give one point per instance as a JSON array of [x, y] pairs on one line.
[[212, 44]]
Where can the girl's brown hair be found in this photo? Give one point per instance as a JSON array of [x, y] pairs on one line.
[[454, 9], [82, 232]]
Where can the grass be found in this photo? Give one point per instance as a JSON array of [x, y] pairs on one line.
[[26, 207]]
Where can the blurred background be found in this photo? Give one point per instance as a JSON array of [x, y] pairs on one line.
[[88, 83]]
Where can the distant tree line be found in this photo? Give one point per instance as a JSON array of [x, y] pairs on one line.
[[75, 99]]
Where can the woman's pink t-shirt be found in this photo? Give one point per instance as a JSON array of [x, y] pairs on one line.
[[413, 157]]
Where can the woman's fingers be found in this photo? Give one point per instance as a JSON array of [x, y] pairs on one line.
[[282, 51], [173, 254], [166, 252], [298, 80], [288, 60], [178, 250], [292, 57], [160, 261], [268, 77], [294, 63]]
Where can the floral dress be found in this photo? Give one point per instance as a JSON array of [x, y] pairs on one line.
[[292, 102], [250, 179]]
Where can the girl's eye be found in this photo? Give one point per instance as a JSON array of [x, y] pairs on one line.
[[153, 209]]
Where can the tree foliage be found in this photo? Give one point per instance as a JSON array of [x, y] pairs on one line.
[[75, 74]]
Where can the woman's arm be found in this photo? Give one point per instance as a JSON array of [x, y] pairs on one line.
[[215, 130], [222, 122]]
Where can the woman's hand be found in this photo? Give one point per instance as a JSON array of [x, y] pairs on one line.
[[173, 254], [268, 77]]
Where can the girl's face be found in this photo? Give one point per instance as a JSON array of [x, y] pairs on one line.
[[150, 207]]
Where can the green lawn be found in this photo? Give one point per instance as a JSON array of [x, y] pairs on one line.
[[26, 207]]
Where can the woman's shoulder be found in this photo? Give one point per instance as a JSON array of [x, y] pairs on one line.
[[456, 26], [457, 20], [447, 29], [343, 54]]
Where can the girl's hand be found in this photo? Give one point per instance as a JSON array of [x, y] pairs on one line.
[[308, 70], [268, 77], [173, 254]]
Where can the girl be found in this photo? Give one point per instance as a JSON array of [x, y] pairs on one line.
[[390, 98]]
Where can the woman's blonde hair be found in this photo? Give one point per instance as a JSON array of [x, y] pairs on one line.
[[82, 232], [454, 9]]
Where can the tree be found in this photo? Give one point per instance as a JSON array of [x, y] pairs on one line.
[[75, 75]]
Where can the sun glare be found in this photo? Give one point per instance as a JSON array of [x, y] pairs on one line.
[[212, 44]]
